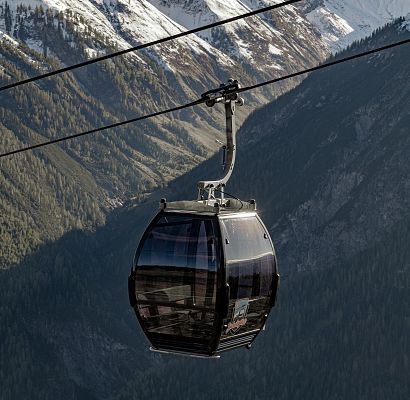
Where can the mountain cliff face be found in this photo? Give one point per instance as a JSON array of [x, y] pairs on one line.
[[331, 152], [329, 175]]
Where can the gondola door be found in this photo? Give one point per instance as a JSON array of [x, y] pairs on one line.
[[250, 276]]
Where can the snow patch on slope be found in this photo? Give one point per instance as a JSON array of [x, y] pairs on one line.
[[406, 23], [274, 50], [127, 23], [6, 38], [343, 21], [330, 25], [252, 39]]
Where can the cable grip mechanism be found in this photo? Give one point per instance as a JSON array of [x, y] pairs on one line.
[[227, 93]]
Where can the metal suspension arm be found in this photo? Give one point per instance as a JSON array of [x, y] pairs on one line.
[[229, 96]]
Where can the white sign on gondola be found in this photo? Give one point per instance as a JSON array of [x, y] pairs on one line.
[[238, 315]]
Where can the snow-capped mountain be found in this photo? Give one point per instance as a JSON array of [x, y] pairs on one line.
[[266, 43], [122, 23], [259, 41], [281, 40], [341, 22]]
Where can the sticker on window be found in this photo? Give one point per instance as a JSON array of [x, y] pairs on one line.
[[239, 314]]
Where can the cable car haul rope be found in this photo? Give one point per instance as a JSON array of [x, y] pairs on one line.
[[205, 276], [202, 100]]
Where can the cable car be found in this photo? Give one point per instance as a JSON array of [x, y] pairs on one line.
[[205, 275]]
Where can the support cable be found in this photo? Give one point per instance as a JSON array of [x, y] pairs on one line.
[[203, 100]]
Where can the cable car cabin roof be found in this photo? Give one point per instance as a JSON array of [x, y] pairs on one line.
[[203, 283], [209, 206]]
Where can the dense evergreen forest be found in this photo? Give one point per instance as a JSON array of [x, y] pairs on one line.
[[328, 165], [336, 334]]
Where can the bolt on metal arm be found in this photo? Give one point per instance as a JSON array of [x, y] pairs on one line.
[[226, 93]]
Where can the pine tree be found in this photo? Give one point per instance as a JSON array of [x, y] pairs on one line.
[[8, 18]]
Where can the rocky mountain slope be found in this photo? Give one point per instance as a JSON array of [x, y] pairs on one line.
[[261, 44], [103, 171], [349, 175], [127, 163], [330, 180]]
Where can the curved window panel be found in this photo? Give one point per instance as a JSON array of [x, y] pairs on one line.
[[177, 276], [250, 265]]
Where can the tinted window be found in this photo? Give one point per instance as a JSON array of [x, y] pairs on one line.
[[246, 238], [177, 276], [250, 264]]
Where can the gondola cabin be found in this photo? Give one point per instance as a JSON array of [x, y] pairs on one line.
[[204, 277]]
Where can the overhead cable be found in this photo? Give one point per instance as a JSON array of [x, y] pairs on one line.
[[149, 44], [203, 100], [325, 65]]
